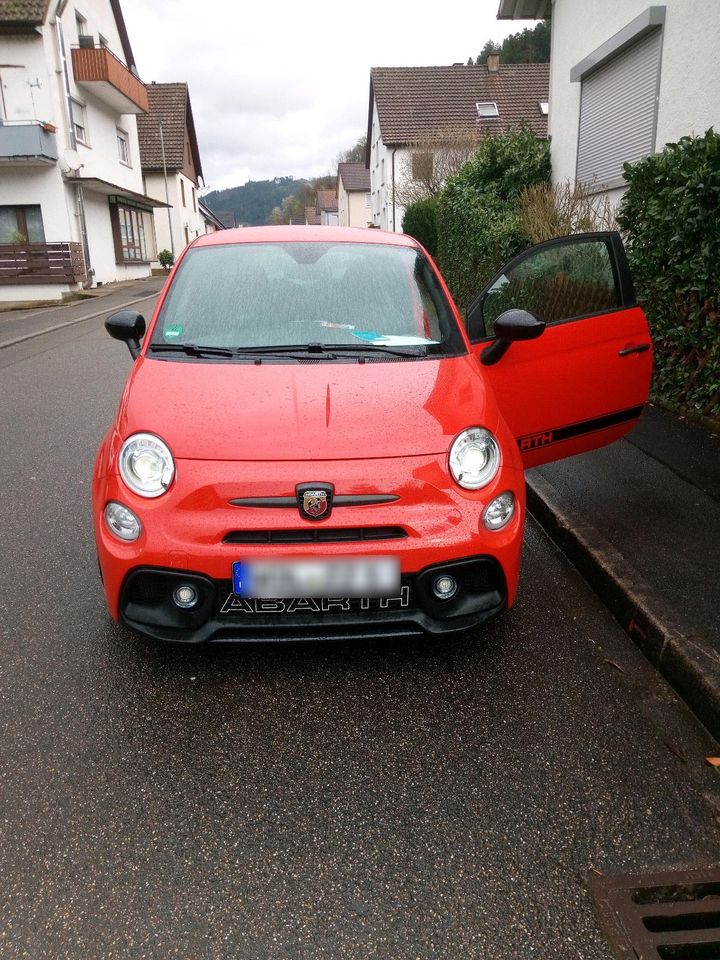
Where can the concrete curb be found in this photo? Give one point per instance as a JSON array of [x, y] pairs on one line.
[[687, 660], [70, 323]]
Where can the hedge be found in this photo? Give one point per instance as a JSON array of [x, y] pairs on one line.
[[671, 218], [420, 221], [478, 218]]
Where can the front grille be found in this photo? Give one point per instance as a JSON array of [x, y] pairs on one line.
[[663, 916], [317, 535]]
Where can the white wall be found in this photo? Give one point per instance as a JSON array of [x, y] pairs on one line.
[[689, 97], [381, 172], [180, 215], [352, 209], [37, 59]]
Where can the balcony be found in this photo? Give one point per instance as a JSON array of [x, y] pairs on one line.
[[27, 142], [108, 79], [41, 263]]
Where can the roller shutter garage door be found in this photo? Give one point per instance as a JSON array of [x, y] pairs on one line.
[[617, 112]]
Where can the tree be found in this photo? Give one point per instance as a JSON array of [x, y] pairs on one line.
[[490, 48], [431, 160], [531, 45], [355, 154], [478, 217]]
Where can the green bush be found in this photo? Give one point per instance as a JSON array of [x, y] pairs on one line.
[[478, 217], [670, 216], [420, 221], [166, 259]]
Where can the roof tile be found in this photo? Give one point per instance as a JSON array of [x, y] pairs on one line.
[[416, 102], [354, 176]]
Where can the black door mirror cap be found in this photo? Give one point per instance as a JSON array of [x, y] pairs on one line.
[[518, 325], [127, 325], [511, 326]]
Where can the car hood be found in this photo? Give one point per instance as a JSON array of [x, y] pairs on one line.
[[305, 411]]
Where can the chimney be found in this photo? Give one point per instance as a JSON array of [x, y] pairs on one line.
[[493, 63]]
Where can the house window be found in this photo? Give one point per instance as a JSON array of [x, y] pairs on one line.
[[79, 116], [133, 233], [182, 191], [422, 166], [103, 41], [123, 145], [21, 225], [81, 24], [544, 107], [618, 108], [368, 199], [194, 199], [487, 109]]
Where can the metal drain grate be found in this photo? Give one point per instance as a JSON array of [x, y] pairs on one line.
[[661, 916]]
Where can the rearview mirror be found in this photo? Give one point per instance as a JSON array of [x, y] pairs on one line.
[[510, 326], [127, 325]]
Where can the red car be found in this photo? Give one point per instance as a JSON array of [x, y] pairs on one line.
[[312, 444]]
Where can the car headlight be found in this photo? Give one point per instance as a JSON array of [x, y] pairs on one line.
[[474, 458], [146, 465]]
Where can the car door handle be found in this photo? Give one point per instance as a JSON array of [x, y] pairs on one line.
[[640, 348]]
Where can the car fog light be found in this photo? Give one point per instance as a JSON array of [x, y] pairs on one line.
[[122, 521], [445, 587], [500, 511], [185, 596]]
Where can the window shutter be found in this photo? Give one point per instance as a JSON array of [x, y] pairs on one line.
[[617, 112]]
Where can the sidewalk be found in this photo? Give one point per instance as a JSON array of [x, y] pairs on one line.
[[641, 520], [16, 325]]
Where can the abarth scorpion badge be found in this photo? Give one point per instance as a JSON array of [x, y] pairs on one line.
[[314, 500]]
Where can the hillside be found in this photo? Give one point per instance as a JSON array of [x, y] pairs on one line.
[[255, 200]]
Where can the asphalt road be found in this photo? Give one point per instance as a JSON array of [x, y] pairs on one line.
[[444, 800]]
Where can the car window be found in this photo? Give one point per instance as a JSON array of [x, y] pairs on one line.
[[246, 295], [559, 282]]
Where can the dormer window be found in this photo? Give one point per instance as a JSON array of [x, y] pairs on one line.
[[487, 110], [544, 107]]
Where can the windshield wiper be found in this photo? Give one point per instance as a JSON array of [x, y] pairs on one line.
[[368, 348], [192, 349]]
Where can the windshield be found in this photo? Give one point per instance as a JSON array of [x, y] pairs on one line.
[[355, 298]]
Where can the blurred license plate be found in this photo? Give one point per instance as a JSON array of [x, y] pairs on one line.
[[273, 579]]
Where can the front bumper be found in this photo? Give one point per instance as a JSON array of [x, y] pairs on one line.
[[195, 531], [147, 607]]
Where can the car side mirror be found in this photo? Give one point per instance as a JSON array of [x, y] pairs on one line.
[[127, 325], [510, 326]]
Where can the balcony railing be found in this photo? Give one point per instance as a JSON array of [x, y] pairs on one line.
[[41, 263], [109, 79], [27, 142]]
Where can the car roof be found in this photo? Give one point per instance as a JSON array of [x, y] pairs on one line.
[[321, 234]]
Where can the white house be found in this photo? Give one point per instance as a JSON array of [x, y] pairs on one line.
[[626, 77], [327, 207], [353, 193], [72, 205], [412, 105], [170, 161]]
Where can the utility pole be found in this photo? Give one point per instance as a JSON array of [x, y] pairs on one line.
[[167, 194]]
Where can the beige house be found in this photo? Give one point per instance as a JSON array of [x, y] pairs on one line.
[[354, 197]]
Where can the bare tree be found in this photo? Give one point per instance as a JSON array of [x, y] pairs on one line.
[[558, 209], [431, 159]]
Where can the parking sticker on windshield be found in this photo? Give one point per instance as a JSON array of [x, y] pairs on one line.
[[388, 340], [173, 331]]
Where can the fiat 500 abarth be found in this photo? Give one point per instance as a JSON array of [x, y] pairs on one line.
[[312, 444]]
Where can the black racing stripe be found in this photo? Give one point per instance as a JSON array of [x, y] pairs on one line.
[[545, 438]]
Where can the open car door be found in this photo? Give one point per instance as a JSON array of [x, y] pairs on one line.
[[583, 382]]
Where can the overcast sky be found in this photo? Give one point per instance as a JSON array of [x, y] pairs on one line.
[[281, 88]]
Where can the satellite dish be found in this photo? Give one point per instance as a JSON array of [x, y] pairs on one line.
[[71, 159]]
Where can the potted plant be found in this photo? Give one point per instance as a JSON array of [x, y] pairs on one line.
[[166, 259], [48, 127]]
